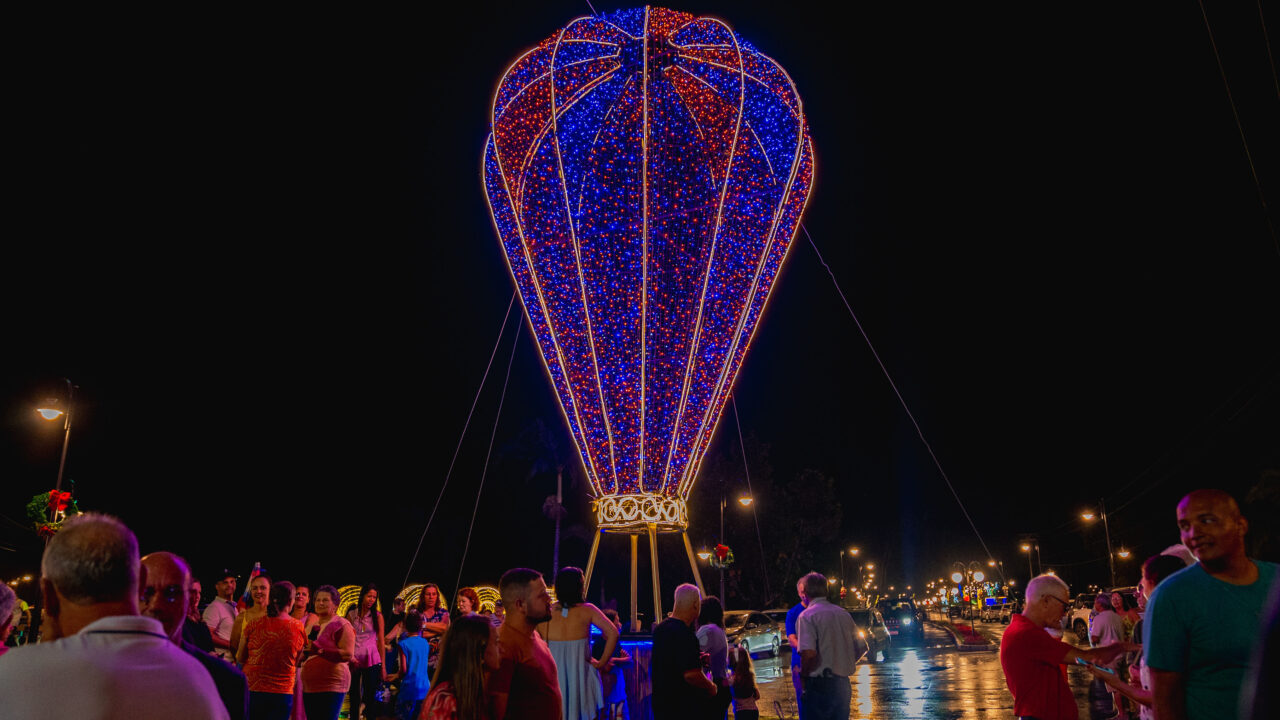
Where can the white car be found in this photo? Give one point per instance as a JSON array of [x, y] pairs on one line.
[[753, 630]]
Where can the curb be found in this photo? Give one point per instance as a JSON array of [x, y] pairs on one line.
[[961, 646]]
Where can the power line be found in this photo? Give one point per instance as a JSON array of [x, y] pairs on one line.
[[920, 433], [461, 437]]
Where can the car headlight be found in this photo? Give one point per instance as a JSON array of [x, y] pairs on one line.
[[906, 621]]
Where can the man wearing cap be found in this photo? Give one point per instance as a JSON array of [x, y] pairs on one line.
[[220, 616]]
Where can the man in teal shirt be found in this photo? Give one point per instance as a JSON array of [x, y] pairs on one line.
[[1202, 622]]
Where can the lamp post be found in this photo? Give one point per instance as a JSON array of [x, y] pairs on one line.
[[745, 501], [853, 551], [51, 411], [1106, 528]]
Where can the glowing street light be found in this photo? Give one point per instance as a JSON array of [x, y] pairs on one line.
[[957, 578], [746, 500], [52, 410], [704, 554], [1124, 554]]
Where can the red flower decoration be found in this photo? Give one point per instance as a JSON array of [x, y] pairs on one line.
[[722, 551], [58, 500]]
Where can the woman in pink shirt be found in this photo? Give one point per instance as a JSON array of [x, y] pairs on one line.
[[326, 675], [370, 654]]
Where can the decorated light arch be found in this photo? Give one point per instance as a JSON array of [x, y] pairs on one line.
[[646, 171]]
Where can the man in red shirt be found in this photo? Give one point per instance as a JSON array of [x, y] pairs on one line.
[[526, 681], [1033, 660]]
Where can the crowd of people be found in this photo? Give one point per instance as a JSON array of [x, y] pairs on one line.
[[1200, 650], [123, 636]]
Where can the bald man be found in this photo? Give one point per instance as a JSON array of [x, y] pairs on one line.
[[681, 688], [166, 597], [1202, 623]]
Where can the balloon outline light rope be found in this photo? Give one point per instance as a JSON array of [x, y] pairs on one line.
[[689, 158]]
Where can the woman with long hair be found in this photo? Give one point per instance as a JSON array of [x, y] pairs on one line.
[[369, 659], [326, 675], [469, 649], [568, 635], [713, 641], [1154, 571], [435, 619], [259, 588], [270, 651]]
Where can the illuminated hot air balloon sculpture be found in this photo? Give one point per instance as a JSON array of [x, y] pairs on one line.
[[646, 171]]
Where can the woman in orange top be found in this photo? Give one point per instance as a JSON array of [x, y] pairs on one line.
[[270, 651]]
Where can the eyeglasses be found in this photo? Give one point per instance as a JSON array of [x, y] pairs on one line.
[[170, 593], [1065, 603]]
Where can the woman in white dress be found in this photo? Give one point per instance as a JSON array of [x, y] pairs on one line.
[[568, 634]]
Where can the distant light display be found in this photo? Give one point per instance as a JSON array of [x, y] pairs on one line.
[[646, 171]]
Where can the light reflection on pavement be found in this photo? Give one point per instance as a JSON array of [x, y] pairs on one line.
[[912, 681]]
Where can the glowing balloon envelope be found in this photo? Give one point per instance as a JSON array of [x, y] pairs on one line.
[[646, 171]]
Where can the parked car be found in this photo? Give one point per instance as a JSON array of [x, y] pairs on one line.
[[780, 616], [753, 630], [902, 617], [996, 609], [872, 630]]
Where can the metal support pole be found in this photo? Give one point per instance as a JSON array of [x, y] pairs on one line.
[[62, 463], [657, 588], [635, 574], [591, 560], [724, 602], [1111, 556], [693, 562]]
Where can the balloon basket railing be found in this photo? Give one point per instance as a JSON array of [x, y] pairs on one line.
[[633, 516]]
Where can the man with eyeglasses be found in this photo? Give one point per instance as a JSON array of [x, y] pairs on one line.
[[166, 590], [1033, 661]]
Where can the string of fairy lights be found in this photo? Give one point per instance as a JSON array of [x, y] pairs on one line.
[[646, 172]]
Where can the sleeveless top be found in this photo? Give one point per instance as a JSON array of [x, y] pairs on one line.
[[321, 675], [580, 685], [366, 655]]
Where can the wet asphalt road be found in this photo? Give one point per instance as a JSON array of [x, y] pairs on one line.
[[928, 680]]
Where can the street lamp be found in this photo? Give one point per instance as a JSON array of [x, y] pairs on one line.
[[853, 551], [1111, 560], [1124, 554], [52, 410], [745, 501], [704, 554]]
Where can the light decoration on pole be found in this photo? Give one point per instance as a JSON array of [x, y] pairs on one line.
[[646, 171]]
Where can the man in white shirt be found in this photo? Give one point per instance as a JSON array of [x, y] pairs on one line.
[[220, 616], [828, 653], [98, 657]]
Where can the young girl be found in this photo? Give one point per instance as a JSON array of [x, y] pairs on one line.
[[743, 682], [469, 649]]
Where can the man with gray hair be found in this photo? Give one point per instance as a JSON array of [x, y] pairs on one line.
[[828, 653], [681, 689], [116, 663], [1032, 659]]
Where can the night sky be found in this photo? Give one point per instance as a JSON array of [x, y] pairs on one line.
[[260, 247]]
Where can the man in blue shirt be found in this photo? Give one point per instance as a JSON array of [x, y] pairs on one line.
[[797, 678], [1202, 622]]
